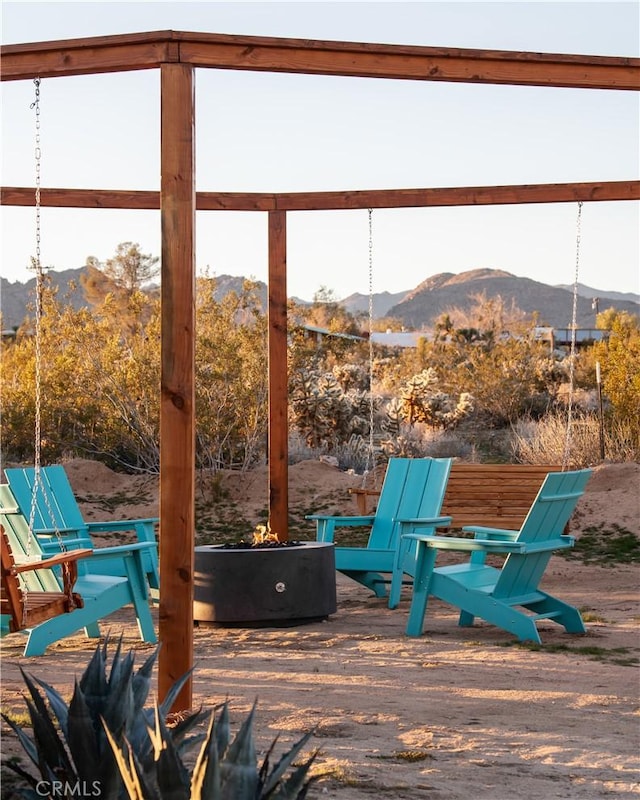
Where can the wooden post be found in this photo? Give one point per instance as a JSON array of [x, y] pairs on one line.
[[177, 402], [278, 377]]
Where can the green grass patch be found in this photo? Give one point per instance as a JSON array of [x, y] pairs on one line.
[[405, 755], [606, 546], [20, 718], [589, 615], [623, 656], [113, 502]]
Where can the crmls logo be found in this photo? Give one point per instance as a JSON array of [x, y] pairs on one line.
[[78, 789]]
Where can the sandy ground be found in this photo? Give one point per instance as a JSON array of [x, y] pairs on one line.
[[455, 714]]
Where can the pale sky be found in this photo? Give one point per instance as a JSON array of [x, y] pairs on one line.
[[268, 132]]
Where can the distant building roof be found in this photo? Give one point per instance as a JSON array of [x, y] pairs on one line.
[[399, 338], [315, 331]]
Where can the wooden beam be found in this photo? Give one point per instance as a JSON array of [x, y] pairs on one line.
[[460, 196], [278, 377], [177, 400], [359, 60], [355, 59], [89, 56], [317, 201]]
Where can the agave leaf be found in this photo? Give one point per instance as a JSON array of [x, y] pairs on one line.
[[119, 710], [25, 776], [173, 776], [93, 680], [82, 738], [181, 729], [89, 748], [121, 667], [141, 683], [223, 731], [242, 749], [27, 744], [50, 748], [165, 706], [127, 768], [138, 734], [115, 661], [263, 773], [296, 786], [205, 779], [239, 766], [285, 762], [52, 756], [57, 703]]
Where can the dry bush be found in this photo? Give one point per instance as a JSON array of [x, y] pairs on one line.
[[545, 441]]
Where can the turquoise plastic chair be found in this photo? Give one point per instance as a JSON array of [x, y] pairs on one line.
[[508, 597], [101, 594], [57, 507], [413, 488]]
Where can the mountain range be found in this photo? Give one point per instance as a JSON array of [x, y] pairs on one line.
[[553, 305], [416, 308]]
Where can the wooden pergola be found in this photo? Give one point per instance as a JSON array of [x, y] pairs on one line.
[[177, 55]]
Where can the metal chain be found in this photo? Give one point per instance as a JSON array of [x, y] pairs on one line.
[[371, 461], [572, 352], [40, 285], [36, 264]]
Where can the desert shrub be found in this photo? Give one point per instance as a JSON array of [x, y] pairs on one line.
[[544, 441]]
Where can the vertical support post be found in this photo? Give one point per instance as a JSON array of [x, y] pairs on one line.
[[177, 401], [278, 378]]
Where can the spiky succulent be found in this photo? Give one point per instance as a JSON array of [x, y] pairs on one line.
[[69, 744], [106, 743], [225, 769]]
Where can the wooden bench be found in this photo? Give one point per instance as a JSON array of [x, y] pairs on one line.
[[492, 495]]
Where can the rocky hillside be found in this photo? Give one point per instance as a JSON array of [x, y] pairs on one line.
[[552, 305], [416, 309]]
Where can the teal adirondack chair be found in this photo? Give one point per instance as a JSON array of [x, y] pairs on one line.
[[57, 507], [102, 594], [508, 597], [413, 488]]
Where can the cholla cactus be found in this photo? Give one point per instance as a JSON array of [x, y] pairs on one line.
[[422, 401], [323, 412]]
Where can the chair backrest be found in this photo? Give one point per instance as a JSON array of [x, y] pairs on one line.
[[554, 505], [23, 545], [546, 521], [413, 487], [56, 505]]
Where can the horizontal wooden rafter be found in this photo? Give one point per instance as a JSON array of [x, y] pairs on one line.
[[327, 201], [356, 59]]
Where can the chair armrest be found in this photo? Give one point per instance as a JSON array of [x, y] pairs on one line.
[[120, 550], [424, 522], [53, 561], [69, 545], [120, 524], [490, 533], [457, 543], [55, 531], [345, 522], [326, 526], [491, 545]]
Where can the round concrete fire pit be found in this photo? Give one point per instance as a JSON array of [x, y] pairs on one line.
[[288, 584]]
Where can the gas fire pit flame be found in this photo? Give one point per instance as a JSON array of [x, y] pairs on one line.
[[263, 535]]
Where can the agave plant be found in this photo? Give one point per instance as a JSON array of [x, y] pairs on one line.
[[107, 744], [70, 748], [224, 770]]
